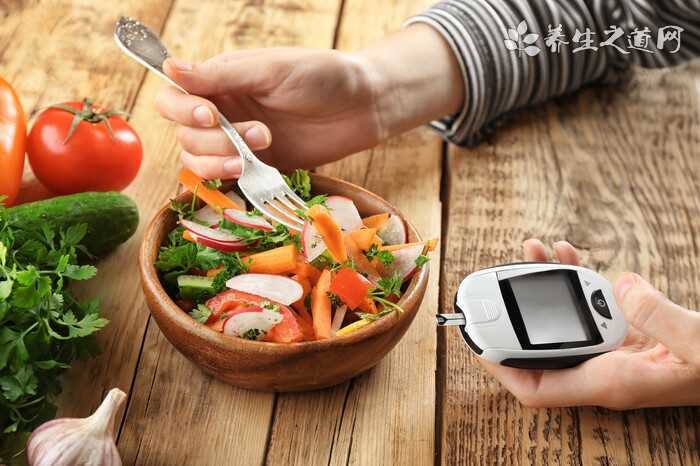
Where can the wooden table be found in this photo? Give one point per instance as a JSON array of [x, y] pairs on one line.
[[634, 153]]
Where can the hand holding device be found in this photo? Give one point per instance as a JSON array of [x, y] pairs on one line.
[[658, 364]]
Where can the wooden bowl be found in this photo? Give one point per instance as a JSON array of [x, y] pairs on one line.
[[274, 366]]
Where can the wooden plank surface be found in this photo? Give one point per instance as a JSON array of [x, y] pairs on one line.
[[169, 392], [385, 416], [635, 156]]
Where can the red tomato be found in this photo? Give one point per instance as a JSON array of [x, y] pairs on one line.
[[287, 331], [76, 147], [12, 139]]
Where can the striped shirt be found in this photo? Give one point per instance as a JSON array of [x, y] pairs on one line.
[[506, 67]]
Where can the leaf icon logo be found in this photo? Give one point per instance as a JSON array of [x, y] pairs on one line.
[[518, 39]]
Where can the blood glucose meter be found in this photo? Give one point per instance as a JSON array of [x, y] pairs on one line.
[[537, 315]]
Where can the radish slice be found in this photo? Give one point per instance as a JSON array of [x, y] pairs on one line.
[[238, 200], [394, 231], [345, 213], [242, 218], [282, 290], [256, 319], [338, 318], [208, 215], [201, 231], [404, 262], [312, 242], [223, 246]]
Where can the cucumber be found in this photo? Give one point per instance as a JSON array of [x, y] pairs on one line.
[[111, 218], [195, 287]]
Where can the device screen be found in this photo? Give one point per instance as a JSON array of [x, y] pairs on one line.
[[549, 308]]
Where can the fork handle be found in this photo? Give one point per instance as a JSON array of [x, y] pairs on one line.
[[237, 141]]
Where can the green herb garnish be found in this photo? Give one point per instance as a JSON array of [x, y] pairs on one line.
[[212, 184], [421, 260], [386, 288], [201, 313], [252, 334], [385, 257], [300, 182]]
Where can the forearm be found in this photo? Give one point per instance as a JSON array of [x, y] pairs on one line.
[[415, 78], [451, 62]]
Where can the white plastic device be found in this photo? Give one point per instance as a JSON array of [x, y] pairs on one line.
[[537, 315]]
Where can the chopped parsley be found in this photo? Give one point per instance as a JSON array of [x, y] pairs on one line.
[[319, 199], [385, 289], [183, 210], [212, 184], [335, 299], [252, 334], [201, 313], [421, 260], [271, 307], [385, 257], [377, 316], [300, 182]]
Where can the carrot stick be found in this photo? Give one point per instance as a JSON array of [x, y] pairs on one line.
[[278, 260], [361, 262], [321, 306], [213, 197], [369, 306], [429, 246], [376, 221], [330, 232], [364, 237], [211, 273], [300, 305], [307, 270], [188, 237]]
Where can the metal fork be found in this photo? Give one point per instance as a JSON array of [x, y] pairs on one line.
[[262, 184]]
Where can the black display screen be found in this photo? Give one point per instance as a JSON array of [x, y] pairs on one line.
[[548, 310]]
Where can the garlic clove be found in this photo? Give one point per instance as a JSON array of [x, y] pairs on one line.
[[78, 441]]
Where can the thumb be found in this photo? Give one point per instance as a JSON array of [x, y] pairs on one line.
[[652, 313], [215, 76]]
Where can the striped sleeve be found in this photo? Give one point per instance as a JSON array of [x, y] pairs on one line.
[[516, 53]]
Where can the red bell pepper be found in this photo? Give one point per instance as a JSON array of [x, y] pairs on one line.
[[351, 287]]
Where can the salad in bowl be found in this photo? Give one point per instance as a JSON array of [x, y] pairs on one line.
[[244, 276]]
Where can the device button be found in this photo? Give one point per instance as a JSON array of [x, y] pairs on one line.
[[600, 304], [482, 310]]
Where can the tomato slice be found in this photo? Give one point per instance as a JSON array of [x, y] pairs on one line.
[[232, 302], [351, 287]]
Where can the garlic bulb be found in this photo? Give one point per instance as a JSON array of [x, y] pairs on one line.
[[78, 442]]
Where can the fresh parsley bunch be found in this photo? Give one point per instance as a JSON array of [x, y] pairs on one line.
[[43, 328]]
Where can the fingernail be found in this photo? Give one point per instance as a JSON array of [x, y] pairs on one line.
[[181, 65], [623, 285], [203, 116], [257, 137], [232, 167]]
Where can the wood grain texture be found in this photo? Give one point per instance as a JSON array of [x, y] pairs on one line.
[[42, 57], [205, 421], [385, 416], [615, 173]]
